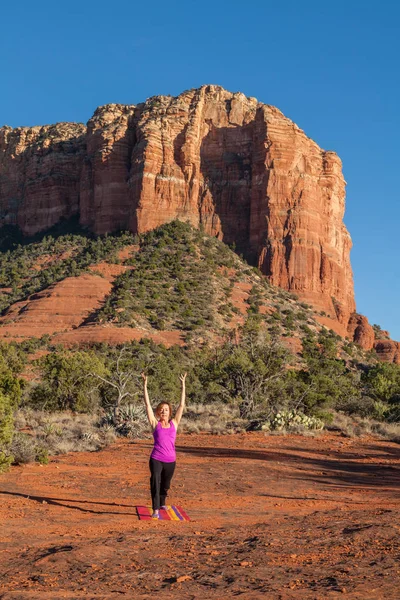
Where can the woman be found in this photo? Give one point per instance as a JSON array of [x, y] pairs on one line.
[[163, 456]]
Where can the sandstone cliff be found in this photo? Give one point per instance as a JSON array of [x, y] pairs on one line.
[[40, 172], [237, 167]]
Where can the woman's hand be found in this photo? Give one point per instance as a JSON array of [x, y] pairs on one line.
[[144, 377], [183, 377]]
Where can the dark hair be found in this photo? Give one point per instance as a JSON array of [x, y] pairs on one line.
[[158, 408]]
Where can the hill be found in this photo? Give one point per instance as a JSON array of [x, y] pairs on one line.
[[174, 281]]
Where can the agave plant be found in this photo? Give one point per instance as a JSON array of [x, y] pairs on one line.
[[129, 422]]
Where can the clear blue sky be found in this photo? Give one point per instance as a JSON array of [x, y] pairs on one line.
[[332, 67]]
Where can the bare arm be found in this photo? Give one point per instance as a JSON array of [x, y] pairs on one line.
[[149, 410], [181, 407]]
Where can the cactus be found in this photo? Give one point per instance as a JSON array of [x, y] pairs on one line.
[[288, 419]]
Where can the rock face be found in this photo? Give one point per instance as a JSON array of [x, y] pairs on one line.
[[388, 351], [220, 160], [40, 171], [360, 331]]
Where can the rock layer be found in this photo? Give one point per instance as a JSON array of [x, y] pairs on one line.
[[236, 167]]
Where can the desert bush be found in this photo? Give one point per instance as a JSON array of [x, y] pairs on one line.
[[244, 375], [364, 406], [393, 413], [10, 396], [26, 449], [23, 448], [389, 431], [6, 431], [382, 382], [355, 425], [325, 382], [68, 381]]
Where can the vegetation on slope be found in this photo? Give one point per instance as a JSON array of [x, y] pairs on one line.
[[175, 282], [28, 269], [183, 279]]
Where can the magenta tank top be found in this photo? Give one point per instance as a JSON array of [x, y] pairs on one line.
[[164, 443]]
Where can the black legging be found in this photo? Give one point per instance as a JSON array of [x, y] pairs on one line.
[[160, 481]]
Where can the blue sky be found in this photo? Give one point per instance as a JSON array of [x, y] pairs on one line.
[[331, 67]]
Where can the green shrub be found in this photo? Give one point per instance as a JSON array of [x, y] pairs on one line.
[[68, 381], [10, 396], [6, 431], [382, 382]]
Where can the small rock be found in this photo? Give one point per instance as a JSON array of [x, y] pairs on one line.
[[183, 578]]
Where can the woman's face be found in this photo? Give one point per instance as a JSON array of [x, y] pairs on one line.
[[164, 412]]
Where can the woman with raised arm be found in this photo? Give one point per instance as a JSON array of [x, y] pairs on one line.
[[163, 456]]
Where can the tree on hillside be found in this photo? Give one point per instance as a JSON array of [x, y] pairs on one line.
[[68, 381], [247, 373], [382, 383], [325, 382]]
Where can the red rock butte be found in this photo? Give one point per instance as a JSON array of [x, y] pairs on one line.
[[236, 167]]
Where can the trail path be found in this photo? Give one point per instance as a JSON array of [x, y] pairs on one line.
[[273, 517]]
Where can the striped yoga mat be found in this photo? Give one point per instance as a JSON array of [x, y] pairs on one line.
[[171, 513]]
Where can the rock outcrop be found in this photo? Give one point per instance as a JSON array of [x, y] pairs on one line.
[[371, 337], [360, 331], [235, 166], [388, 351]]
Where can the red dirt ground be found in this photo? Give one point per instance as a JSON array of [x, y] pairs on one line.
[[273, 517]]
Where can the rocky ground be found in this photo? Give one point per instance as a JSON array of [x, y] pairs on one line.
[[272, 517]]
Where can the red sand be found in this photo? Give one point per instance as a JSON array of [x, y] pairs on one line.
[[272, 517]]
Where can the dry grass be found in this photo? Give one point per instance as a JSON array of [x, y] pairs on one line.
[[56, 433], [212, 418], [355, 426]]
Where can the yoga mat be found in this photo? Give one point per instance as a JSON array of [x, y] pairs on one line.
[[171, 513]]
